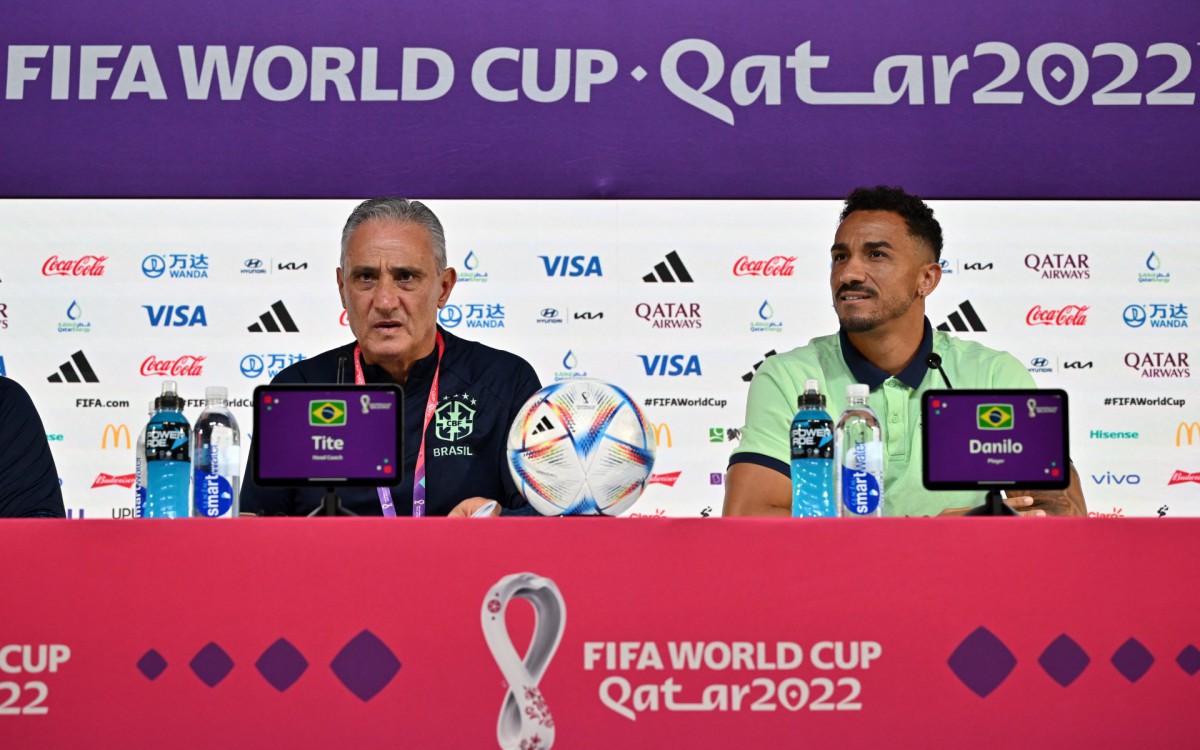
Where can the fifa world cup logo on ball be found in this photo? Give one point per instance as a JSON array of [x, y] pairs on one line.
[[525, 722]]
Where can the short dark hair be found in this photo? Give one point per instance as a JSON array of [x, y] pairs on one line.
[[917, 215]]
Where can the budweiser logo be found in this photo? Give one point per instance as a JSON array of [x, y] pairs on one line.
[[1071, 315], [88, 265], [780, 265], [667, 479], [1179, 477], [108, 480], [186, 366]]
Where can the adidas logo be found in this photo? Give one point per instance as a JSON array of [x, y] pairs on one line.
[[543, 425], [663, 273], [280, 321], [972, 323], [68, 373], [750, 375]]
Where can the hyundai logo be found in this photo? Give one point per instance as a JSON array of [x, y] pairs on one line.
[[1135, 316], [1039, 362], [253, 263], [154, 266], [549, 312]]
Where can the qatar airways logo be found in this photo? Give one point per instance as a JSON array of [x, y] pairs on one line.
[[88, 265], [1059, 265], [779, 265], [1070, 315], [185, 366]]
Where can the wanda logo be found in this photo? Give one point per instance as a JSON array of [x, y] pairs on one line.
[[1071, 315], [780, 265], [186, 366], [88, 265]]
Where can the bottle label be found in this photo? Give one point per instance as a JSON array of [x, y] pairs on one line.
[[167, 441], [214, 495], [812, 438], [861, 475]]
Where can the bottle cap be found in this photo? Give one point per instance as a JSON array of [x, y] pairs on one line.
[[812, 395], [170, 399], [858, 391], [216, 395]]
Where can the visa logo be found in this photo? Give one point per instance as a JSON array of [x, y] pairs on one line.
[[571, 265], [1109, 478], [176, 315], [671, 365]]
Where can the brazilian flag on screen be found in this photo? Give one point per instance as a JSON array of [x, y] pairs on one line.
[[994, 416], [328, 413]]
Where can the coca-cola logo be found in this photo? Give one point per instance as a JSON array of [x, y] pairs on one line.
[[1071, 315], [108, 480], [780, 265], [185, 366], [88, 265], [344, 318]]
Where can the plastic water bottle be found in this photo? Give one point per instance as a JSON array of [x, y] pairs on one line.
[[168, 458], [139, 468], [812, 457], [216, 458], [858, 444]]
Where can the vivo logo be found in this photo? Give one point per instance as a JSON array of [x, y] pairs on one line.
[[671, 365], [572, 265], [176, 315], [1109, 478]]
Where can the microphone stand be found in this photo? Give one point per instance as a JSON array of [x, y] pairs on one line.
[[994, 505], [331, 505]]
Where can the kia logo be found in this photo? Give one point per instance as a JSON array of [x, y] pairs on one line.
[[154, 266]]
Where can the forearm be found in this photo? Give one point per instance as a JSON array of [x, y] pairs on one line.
[[752, 490], [1068, 502]]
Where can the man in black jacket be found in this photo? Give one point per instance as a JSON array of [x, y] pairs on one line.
[[393, 279], [28, 479]]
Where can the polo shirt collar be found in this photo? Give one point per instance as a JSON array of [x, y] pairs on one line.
[[865, 372]]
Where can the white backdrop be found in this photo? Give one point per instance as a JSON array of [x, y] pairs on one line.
[[562, 284]]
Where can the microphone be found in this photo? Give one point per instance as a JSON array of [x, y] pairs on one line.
[[341, 369], [935, 363]]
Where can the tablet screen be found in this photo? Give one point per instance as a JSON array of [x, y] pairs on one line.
[[327, 435], [989, 439]]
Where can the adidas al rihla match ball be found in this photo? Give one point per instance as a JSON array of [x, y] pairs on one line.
[[580, 447]]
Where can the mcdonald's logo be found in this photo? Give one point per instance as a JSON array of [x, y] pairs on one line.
[[115, 432], [1191, 429], [660, 429]]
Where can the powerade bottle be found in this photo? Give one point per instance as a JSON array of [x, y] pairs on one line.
[[139, 468], [812, 457], [859, 447], [168, 458], [216, 458]]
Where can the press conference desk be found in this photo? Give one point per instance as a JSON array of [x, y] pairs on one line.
[[676, 633]]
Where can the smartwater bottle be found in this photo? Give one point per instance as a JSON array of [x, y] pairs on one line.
[[216, 458], [858, 444], [812, 457], [139, 468], [168, 458]]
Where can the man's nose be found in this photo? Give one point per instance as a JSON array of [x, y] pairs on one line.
[[852, 271], [386, 296]]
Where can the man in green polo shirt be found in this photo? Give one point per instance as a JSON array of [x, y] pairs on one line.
[[885, 262]]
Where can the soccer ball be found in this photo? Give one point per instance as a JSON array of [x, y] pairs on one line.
[[580, 446]]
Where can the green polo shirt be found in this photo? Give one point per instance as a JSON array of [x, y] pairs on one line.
[[835, 363]]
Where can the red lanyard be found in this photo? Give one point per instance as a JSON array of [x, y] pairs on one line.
[[385, 494]]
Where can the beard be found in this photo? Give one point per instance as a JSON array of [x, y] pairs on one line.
[[886, 310]]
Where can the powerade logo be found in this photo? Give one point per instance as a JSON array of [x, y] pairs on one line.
[[176, 316], [257, 365], [994, 416], [175, 266], [1153, 273], [327, 413], [671, 365], [486, 315], [572, 265], [1157, 315]]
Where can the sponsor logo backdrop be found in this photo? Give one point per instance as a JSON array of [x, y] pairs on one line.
[[675, 301]]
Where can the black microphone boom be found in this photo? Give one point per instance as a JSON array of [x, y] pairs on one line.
[[935, 363]]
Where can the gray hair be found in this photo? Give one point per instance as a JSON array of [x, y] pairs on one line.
[[401, 211]]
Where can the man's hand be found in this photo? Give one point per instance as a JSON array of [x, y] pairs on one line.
[[1023, 505], [467, 508]]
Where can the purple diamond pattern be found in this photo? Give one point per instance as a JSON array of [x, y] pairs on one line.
[[152, 664], [982, 662], [281, 665], [365, 665], [1189, 660], [211, 664], [1064, 660], [1132, 660]]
